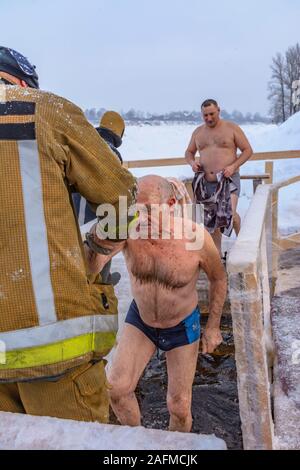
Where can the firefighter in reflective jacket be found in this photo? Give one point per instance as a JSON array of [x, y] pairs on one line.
[[56, 325]]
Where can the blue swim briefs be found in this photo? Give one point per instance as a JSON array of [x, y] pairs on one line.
[[186, 332]]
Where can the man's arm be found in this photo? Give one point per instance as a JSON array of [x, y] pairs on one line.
[[92, 168], [90, 165], [95, 259], [211, 264], [191, 152], [243, 144]]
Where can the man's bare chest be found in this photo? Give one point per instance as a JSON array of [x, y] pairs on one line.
[[205, 140], [167, 264]]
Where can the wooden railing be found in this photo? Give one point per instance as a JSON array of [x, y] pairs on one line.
[[268, 157], [174, 161], [278, 242], [248, 278], [252, 264]]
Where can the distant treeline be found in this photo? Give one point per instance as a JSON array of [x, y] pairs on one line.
[[190, 117], [285, 71]]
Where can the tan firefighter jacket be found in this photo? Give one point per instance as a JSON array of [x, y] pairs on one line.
[[51, 317]]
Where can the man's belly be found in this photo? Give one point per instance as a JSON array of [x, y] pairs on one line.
[[164, 308], [215, 161]]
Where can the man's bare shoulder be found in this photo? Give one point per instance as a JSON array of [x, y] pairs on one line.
[[230, 125], [199, 129]]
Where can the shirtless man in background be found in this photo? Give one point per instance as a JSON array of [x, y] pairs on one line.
[[217, 142], [164, 313]]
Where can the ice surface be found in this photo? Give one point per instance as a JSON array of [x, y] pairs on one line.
[[19, 431]]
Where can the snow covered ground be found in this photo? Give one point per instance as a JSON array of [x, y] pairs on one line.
[[145, 142], [19, 432]]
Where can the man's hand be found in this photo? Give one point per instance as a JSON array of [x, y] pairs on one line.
[[95, 261], [211, 339], [196, 167], [229, 170]]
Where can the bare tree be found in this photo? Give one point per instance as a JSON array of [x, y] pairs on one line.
[[277, 93], [292, 72], [285, 70]]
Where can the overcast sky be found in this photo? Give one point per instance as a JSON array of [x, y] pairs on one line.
[[153, 55]]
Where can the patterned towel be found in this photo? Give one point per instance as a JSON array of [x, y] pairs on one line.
[[217, 206], [180, 191]]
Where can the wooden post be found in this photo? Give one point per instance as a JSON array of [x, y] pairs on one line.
[[269, 167], [188, 185], [275, 246], [248, 291], [264, 275], [250, 353], [256, 182]]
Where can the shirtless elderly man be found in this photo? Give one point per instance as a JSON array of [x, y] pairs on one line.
[[217, 142], [164, 313]]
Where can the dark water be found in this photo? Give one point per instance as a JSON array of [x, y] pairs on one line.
[[215, 406]]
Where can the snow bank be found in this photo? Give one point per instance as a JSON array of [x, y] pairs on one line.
[[283, 137], [20, 431]]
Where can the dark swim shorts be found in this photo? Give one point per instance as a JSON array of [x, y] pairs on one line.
[[235, 185], [186, 332]]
